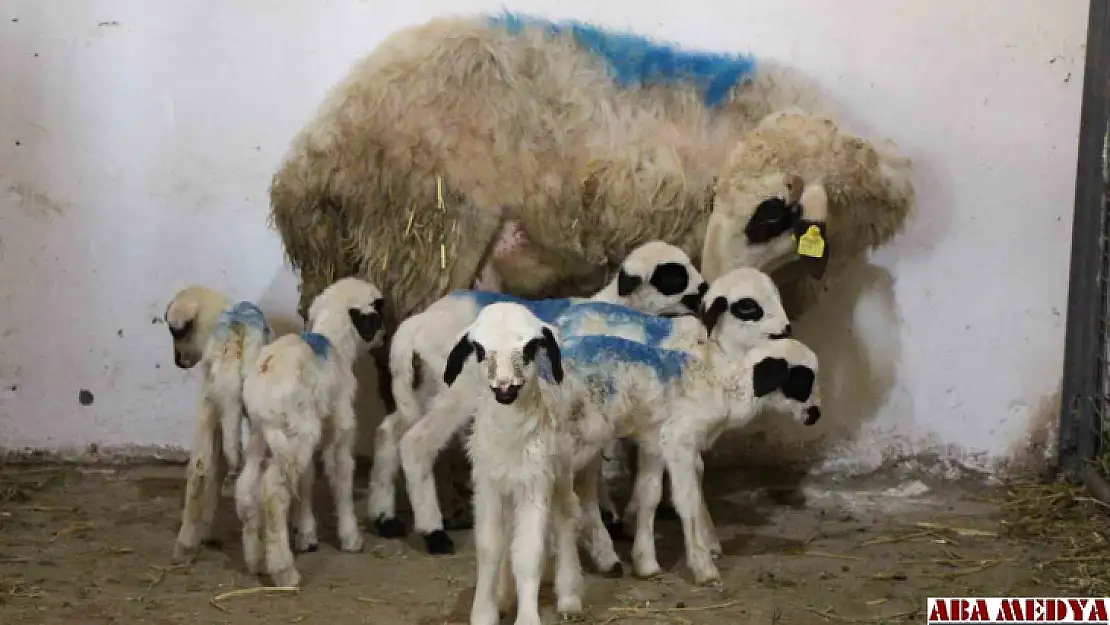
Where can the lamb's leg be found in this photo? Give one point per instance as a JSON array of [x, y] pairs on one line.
[[612, 464], [339, 465], [597, 539], [646, 494], [529, 533], [202, 484], [447, 412], [247, 502], [306, 519], [490, 540], [568, 577], [686, 492], [383, 480], [704, 519], [231, 423], [275, 501]]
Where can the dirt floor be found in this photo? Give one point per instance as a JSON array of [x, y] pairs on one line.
[[92, 545]]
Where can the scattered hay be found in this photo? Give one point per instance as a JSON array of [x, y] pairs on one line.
[[18, 485], [674, 614], [243, 592], [831, 616], [1064, 519]]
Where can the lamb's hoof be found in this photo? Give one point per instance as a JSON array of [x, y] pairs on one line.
[[666, 511], [616, 531], [648, 572], [391, 527], [309, 548], [710, 578], [458, 523], [351, 543], [615, 571], [568, 606], [184, 553], [439, 543], [716, 552], [288, 578]]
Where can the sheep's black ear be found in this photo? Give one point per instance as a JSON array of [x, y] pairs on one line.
[[711, 315], [627, 283], [799, 383], [769, 375], [456, 359], [179, 333], [554, 355], [530, 350], [367, 324]]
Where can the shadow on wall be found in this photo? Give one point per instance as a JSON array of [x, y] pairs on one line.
[[280, 303]]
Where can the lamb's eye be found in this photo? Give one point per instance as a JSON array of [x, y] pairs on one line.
[[746, 309]]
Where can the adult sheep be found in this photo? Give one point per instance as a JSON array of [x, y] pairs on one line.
[[539, 154]]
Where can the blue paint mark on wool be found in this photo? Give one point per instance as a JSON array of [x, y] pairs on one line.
[[637, 60], [545, 309], [656, 329], [243, 314], [319, 343], [593, 353]]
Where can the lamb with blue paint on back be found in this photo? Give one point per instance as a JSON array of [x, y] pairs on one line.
[[657, 278], [521, 450], [299, 396], [225, 340]]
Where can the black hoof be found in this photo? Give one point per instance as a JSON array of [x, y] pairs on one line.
[[615, 572], [439, 543], [214, 543], [616, 531], [458, 523], [389, 528], [666, 511]]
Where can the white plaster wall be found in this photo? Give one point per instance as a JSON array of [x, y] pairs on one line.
[[137, 141]]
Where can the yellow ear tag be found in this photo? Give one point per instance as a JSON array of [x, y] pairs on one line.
[[812, 244]]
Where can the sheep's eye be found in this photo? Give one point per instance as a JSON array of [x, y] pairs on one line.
[[479, 352], [746, 309], [179, 333]]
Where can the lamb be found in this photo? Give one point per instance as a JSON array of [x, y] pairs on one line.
[[225, 340], [409, 173], [657, 278], [299, 395], [520, 450]]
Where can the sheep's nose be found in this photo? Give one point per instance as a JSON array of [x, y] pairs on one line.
[[788, 331]]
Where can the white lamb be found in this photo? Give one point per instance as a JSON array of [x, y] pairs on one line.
[[657, 278], [299, 396], [225, 340], [521, 450]]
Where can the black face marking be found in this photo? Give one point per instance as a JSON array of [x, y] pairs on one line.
[[180, 333], [692, 301], [456, 359], [378, 304], [530, 350], [627, 283], [367, 324], [769, 375], [712, 314], [772, 219], [479, 352], [670, 278], [815, 266], [799, 383], [813, 413], [746, 309]]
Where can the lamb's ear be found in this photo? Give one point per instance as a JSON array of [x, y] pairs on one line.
[[799, 383], [554, 355], [712, 314], [768, 375], [367, 324], [627, 283], [456, 359]]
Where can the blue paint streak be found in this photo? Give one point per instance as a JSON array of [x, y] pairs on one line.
[[637, 60], [546, 309], [319, 343], [596, 356], [656, 329], [243, 314]]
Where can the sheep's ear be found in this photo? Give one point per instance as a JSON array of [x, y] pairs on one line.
[[711, 315], [769, 375], [627, 283], [456, 359], [367, 324], [799, 383], [554, 355], [180, 333]]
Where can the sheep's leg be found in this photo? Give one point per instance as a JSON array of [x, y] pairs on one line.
[[595, 535], [275, 500], [339, 465], [706, 521], [231, 415], [529, 533], [568, 576], [646, 494], [448, 411], [202, 484], [686, 492], [306, 521], [247, 502], [383, 480], [612, 464], [490, 541]]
